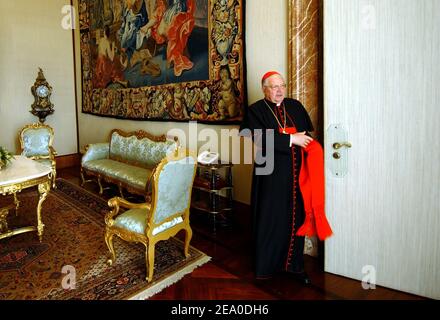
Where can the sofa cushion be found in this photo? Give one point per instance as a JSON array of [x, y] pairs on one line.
[[96, 151], [140, 152], [128, 174]]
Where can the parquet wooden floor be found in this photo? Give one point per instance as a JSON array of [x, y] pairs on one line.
[[229, 276]]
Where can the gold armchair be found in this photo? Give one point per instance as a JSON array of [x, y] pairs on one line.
[[164, 217], [36, 143]]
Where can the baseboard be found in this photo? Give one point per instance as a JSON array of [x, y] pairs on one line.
[[69, 160]]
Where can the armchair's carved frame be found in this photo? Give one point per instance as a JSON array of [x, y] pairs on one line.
[[52, 151]]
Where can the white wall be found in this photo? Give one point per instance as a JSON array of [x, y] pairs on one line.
[[266, 49], [31, 36], [266, 42]]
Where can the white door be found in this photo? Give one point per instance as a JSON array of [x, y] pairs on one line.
[[382, 84]]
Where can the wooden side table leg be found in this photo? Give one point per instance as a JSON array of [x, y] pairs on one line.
[[230, 200], [3, 220], [43, 190], [213, 187], [214, 199], [17, 203]]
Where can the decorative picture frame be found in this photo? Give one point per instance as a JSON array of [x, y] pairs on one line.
[[163, 60]]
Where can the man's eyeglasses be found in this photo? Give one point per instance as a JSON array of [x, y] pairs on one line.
[[281, 86]]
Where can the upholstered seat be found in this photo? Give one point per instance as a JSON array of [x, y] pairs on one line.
[[36, 143], [129, 175], [163, 217]]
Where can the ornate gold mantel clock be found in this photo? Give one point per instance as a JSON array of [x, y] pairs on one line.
[[42, 107]]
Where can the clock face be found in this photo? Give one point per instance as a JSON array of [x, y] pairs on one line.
[[42, 91]]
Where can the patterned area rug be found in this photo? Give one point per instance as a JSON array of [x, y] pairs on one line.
[[73, 244]]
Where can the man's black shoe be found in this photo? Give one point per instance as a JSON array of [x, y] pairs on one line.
[[302, 277]]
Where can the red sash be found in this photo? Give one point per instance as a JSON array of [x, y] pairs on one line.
[[288, 130]]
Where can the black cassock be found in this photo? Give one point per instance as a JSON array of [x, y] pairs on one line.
[[277, 206]]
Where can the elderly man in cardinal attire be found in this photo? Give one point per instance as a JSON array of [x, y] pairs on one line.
[[277, 200]]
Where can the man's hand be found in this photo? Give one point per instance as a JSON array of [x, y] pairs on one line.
[[300, 139]]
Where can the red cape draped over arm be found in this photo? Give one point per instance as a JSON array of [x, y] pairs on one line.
[[312, 186]]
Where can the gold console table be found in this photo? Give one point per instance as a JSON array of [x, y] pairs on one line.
[[23, 173]]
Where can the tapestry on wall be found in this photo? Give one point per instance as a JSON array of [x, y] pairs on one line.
[[169, 60]]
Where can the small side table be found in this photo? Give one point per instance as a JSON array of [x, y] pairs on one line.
[[213, 180], [23, 173]]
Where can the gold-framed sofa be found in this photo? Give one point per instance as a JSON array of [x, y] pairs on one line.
[[36, 142], [127, 160]]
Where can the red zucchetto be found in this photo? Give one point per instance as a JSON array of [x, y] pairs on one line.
[[268, 74]]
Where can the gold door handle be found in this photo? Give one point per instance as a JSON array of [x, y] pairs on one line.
[[338, 145]]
